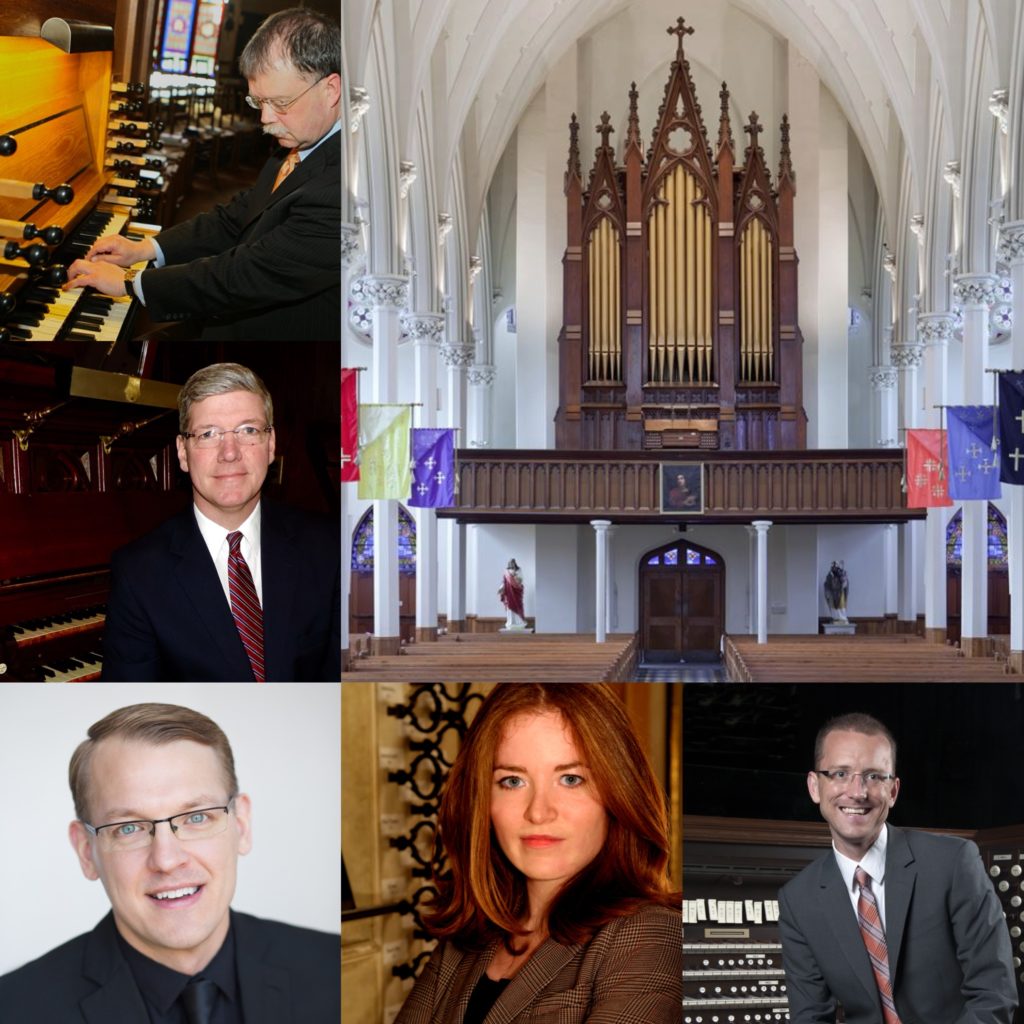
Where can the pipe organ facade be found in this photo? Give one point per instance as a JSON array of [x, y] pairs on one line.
[[680, 288]]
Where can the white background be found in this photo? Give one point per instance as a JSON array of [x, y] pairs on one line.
[[287, 744]]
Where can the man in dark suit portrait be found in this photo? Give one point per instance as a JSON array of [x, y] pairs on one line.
[[898, 927], [266, 265], [233, 589], [161, 824]]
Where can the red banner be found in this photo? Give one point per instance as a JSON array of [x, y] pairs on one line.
[[927, 469], [349, 425]]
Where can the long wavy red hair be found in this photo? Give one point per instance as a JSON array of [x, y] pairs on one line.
[[483, 896]]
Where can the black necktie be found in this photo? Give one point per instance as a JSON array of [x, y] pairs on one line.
[[199, 999]]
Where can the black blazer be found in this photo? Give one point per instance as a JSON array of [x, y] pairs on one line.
[[286, 975], [265, 266], [169, 621], [949, 951]]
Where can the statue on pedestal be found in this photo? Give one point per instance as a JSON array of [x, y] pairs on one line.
[[837, 586], [511, 593]]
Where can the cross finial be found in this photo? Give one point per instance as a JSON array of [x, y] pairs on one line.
[[605, 128], [681, 29]]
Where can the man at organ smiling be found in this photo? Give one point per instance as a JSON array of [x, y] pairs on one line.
[[161, 823]]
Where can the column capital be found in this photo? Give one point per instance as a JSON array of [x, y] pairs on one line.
[[482, 374], [407, 174], [387, 291], [906, 355], [883, 378], [358, 105], [761, 525], [350, 245], [935, 328], [1011, 242], [423, 328], [977, 290], [457, 357], [600, 525]]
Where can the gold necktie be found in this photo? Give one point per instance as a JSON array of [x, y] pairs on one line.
[[290, 162]]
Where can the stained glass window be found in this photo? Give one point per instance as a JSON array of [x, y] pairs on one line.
[[362, 543], [708, 560], [692, 557], [672, 557], [654, 560], [191, 31], [997, 557]]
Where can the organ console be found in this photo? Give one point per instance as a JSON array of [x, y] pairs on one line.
[[733, 870]]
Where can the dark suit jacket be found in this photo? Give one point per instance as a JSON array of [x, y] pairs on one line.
[[286, 975], [169, 621], [629, 972], [265, 266], [949, 951]]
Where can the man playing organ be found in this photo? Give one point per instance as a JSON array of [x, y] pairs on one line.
[[266, 265]]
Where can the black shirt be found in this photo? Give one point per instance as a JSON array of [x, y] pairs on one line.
[[484, 996], [161, 987]]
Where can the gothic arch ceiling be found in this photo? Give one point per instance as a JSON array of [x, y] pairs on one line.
[[881, 59]]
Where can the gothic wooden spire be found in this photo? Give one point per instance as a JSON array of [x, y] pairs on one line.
[[573, 168], [753, 129], [633, 125], [785, 163], [724, 124], [605, 129]]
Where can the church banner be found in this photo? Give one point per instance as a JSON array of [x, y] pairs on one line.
[[927, 475], [349, 425], [384, 452], [973, 464], [1011, 427], [433, 471]]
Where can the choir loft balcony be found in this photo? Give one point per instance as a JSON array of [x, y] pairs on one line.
[[816, 486]]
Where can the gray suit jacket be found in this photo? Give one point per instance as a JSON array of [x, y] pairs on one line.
[[630, 971], [949, 950]]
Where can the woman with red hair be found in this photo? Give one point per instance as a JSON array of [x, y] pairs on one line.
[[556, 905]]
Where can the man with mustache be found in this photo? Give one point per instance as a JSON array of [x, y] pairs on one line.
[[265, 266], [895, 926]]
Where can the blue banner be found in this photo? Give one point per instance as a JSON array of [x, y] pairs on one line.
[[973, 464], [433, 474], [1011, 427]]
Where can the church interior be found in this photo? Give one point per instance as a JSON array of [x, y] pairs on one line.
[[681, 277]]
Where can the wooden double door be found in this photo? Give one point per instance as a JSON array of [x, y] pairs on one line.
[[682, 603]]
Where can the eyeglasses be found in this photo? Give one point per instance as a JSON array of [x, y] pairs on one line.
[[203, 823], [280, 106], [243, 435], [841, 777]]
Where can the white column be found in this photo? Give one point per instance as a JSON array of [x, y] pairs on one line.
[[387, 296], [1011, 251], [350, 257], [890, 555], [613, 611], [481, 391], [601, 582], [883, 389], [935, 330], [762, 526], [906, 356], [752, 586], [458, 358], [425, 330], [976, 293]]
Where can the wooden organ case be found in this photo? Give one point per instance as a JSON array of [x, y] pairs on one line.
[[733, 869], [680, 288]]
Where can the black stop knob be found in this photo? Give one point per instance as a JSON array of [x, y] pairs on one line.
[[8, 145], [6, 303]]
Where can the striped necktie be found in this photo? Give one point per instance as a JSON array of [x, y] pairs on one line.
[[874, 942], [245, 606], [290, 162]]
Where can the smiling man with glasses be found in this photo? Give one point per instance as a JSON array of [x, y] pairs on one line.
[[266, 266], [161, 824], [897, 927], [234, 589]]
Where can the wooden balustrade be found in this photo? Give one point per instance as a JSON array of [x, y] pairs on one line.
[[558, 486]]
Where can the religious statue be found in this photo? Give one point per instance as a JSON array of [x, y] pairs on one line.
[[511, 593], [836, 587]]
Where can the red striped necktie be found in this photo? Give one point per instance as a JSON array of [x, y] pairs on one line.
[[245, 606], [874, 942]]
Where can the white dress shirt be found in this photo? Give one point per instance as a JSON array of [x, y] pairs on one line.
[[873, 862], [216, 538]]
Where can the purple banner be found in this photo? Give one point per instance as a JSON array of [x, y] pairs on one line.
[[973, 463], [433, 473]]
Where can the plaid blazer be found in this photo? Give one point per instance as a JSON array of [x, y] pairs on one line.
[[629, 972]]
